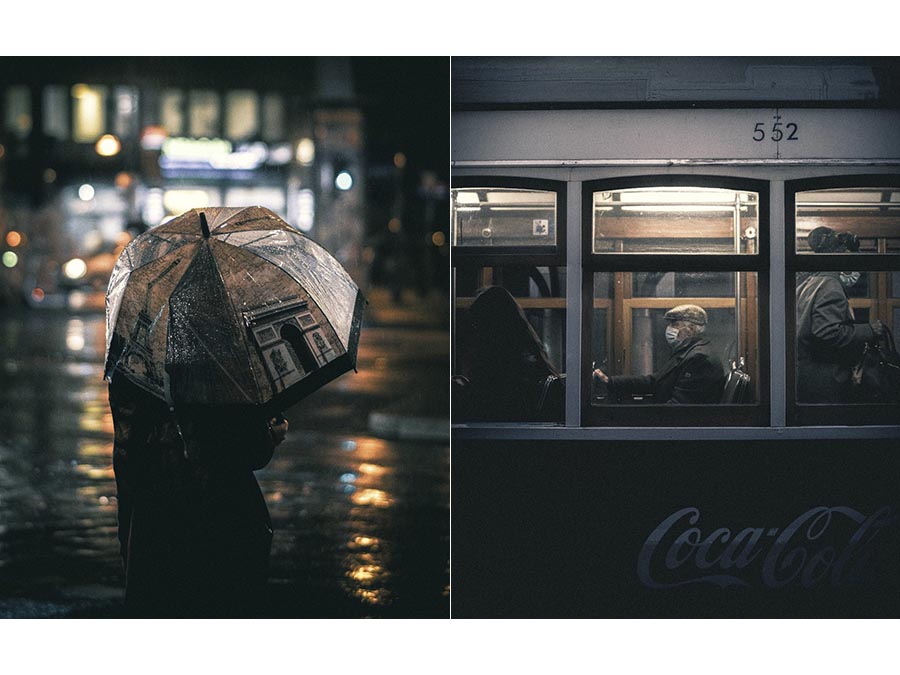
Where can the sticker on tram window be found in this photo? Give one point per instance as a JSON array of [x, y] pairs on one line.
[[776, 131], [540, 227]]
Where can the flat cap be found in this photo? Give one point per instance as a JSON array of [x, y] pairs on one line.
[[689, 313]]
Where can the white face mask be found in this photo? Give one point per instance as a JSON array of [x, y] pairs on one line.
[[672, 336], [849, 279]]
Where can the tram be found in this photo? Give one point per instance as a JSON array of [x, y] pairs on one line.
[[746, 493]]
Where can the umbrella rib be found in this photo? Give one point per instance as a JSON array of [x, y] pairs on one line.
[[234, 311], [268, 234]]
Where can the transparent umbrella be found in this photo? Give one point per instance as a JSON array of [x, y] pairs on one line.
[[230, 306]]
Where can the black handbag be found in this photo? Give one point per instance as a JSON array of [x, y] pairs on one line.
[[877, 377]]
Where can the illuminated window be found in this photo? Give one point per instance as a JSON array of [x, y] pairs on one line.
[[203, 114], [846, 272], [17, 118], [498, 217], [241, 115], [630, 342], [273, 118], [56, 112], [88, 112], [171, 108], [509, 345], [860, 220], [673, 339], [675, 220]]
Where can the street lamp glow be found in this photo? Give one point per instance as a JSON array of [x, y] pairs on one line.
[[306, 151], [86, 192], [343, 181], [75, 268], [108, 146], [10, 259]]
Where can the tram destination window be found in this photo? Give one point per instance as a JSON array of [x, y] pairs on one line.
[[676, 220], [503, 217], [848, 220], [846, 272], [678, 300]]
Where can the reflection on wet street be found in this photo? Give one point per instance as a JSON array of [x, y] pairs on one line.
[[361, 517]]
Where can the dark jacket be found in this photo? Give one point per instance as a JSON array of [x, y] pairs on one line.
[[693, 374], [512, 389], [829, 343], [194, 530]]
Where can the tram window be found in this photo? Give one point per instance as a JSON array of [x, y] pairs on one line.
[[497, 217], [509, 343], [680, 220], [717, 329], [848, 220]]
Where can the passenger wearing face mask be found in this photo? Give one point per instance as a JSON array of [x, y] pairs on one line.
[[692, 374], [829, 341]]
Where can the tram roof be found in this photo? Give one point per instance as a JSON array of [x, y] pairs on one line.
[[623, 82]]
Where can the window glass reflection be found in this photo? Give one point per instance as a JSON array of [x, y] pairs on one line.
[[675, 220], [509, 351], [848, 220], [503, 217], [674, 337]]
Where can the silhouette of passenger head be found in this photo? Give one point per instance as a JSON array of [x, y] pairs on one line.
[[825, 240], [502, 332]]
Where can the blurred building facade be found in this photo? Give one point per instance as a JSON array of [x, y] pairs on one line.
[[95, 150]]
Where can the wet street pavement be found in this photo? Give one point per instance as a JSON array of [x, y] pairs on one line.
[[358, 492]]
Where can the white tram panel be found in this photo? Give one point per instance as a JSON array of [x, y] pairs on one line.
[[763, 135]]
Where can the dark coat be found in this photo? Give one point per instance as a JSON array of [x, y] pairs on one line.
[[194, 529], [829, 343], [693, 374], [518, 388]]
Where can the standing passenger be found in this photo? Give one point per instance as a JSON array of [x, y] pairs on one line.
[[829, 341]]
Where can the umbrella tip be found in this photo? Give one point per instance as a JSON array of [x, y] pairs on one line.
[[204, 226]]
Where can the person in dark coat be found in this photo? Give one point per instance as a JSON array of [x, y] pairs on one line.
[[194, 530], [507, 374], [693, 373], [829, 341]]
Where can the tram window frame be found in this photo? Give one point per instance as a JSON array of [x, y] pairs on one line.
[[517, 257], [674, 415], [824, 414]]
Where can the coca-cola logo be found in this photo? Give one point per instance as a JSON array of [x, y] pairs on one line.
[[823, 546]]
